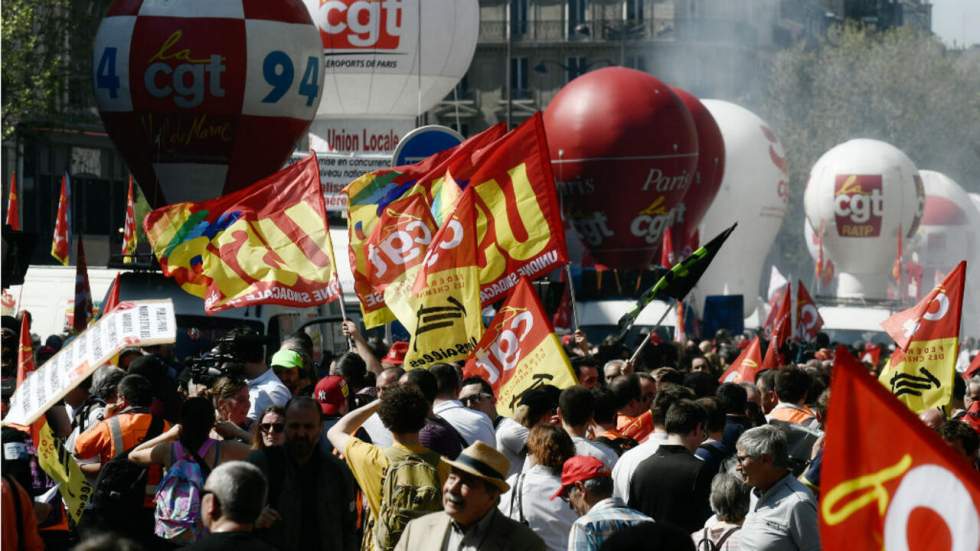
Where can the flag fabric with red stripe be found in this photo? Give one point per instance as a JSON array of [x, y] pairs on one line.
[[61, 241], [519, 351], [112, 297], [83, 293], [887, 481], [129, 227], [13, 206], [808, 319], [872, 353], [781, 332], [746, 366], [25, 352], [921, 371]]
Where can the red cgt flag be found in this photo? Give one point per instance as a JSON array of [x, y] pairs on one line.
[[519, 350], [808, 319], [746, 366], [888, 482], [61, 239], [83, 292], [937, 316], [781, 332], [25, 353], [13, 208], [129, 226]]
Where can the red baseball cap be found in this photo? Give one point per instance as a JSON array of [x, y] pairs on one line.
[[579, 469], [396, 354], [331, 392]]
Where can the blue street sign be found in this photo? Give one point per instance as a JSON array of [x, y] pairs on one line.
[[423, 142]]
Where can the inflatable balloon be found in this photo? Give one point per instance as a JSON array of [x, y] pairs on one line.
[[949, 233], [707, 177], [624, 150], [373, 51], [203, 98], [754, 192], [864, 192]]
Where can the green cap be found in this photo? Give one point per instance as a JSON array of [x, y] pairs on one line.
[[287, 359]]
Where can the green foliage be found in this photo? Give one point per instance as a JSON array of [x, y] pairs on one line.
[[901, 86]]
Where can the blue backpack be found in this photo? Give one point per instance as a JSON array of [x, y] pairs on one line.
[[178, 497]]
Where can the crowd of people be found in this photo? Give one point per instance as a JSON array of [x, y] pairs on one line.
[[358, 453]]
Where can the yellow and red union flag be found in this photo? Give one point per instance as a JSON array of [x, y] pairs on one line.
[[61, 240], [438, 300], [746, 366], [519, 350], [266, 244], [368, 195], [400, 240], [887, 481], [808, 318], [13, 208], [129, 227], [921, 371], [519, 221]]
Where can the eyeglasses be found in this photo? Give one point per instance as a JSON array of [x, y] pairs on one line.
[[272, 427]]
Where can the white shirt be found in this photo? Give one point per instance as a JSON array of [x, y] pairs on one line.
[[597, 450], [623, 471], [471, 424], [551, 519], [380, 435], [512, 442], [264, 391]]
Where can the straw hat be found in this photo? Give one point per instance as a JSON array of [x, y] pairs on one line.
[[482, 461]]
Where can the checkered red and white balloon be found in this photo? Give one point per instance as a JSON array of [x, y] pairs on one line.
[[204, 97]]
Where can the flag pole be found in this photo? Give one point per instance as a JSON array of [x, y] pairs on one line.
[[667, 310], [571, 294]]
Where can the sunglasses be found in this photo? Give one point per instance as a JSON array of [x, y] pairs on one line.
[[272, 427]]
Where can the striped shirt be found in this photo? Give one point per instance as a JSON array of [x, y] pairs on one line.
[[602, 521]]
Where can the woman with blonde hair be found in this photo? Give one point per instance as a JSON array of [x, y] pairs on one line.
[[231, 403], [529, 499]]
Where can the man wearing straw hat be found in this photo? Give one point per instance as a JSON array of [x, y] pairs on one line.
[[470, 519]]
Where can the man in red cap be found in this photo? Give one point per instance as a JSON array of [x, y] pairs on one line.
[[587, 487]]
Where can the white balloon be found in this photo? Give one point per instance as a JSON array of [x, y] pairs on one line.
[[372, 50], [949, 233], [861, 192], [754, 192]]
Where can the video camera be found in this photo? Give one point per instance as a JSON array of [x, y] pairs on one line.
[[226, 359]]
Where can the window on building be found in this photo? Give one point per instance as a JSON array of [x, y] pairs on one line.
[[577, 15], [518, 78], [634, 10], [575, 67], [518, 18]]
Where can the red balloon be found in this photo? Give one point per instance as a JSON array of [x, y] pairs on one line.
[[624, 150], [707, 177]]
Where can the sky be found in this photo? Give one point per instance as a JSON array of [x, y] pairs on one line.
[[957, 22]]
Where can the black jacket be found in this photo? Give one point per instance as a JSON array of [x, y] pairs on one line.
[[672, 486]]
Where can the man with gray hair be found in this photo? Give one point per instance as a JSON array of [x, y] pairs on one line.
[[233, 498], [782, 513]]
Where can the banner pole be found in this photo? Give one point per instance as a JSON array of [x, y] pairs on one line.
[[643, 344], [571, 294]]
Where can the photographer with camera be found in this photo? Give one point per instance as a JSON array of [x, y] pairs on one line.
[[264, 387]]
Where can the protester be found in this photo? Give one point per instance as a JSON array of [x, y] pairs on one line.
[[627, 464], [528, 500], [712, 451], [264, 387], [163, 382], [792, 386], [733, 401], [403, 411], [19, 527], [287, 365], [604, 427], [232, 402], [373, 426], [765, 382], [649, 536], [961, 438], [576, 408], [353, 369], [471, 425], [438, 434], [363, 349], [782, 512], [633, 405], [271, 429], [586, 485], [311, 500], [476, 393], [615, 368], [470, 519], [729, 503], [673, 485], [586, 372], [537, 406], [234, 495]]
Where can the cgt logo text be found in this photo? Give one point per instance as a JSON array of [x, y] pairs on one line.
[[858, 205], [358, 24], [654, 220]]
